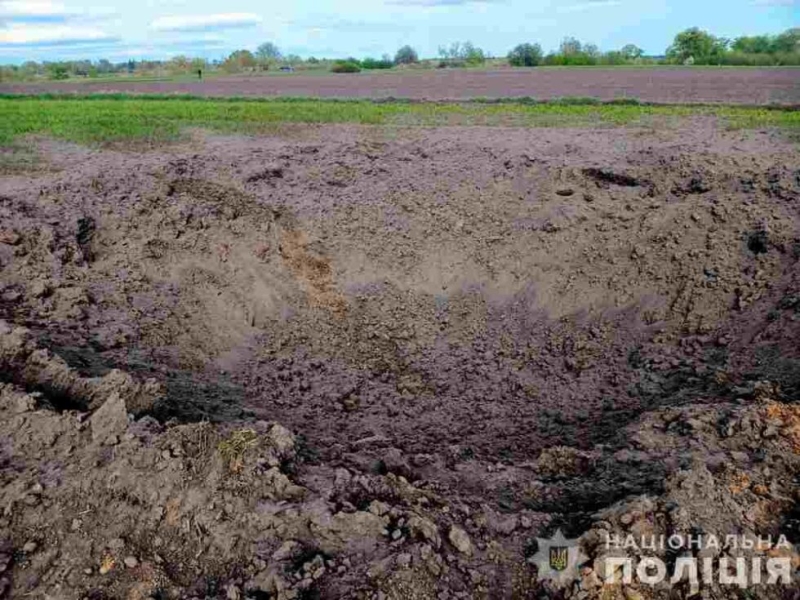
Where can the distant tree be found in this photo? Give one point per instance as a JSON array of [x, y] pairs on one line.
[[614, 57], [406, 56], [592, 51], [198, 64], [698, 45], [179, 64], [525, 55], [757, 44], [570, 47], [473, 55], [240, 60], [453, 52], [466, 53], [29, 68], [788, 41], [268, 53], [81, 68], [631, 52], [58, 71]]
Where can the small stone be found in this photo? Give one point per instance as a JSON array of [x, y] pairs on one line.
[[9, 237], [233, 593], [286, 550], [770, 432], [626, 519], [565, 192], [111, 419], [24, 404], [87, 571], [403, 560], [40, 289], [131, 562], [30, 547], [590, 580], [631, 594], [378, 508], [282, 440], [740, 456], [424, 528], [460, 540]]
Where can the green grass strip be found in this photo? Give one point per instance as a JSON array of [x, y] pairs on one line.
[[103, 118]]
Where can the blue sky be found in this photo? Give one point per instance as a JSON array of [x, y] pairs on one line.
[[121, 29]]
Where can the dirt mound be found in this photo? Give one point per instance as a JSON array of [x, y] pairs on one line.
[[24, 364], [369, 362]]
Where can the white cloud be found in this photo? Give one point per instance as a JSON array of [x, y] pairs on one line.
[[18, 34], [33, 8], [205, 22], [45, 11]]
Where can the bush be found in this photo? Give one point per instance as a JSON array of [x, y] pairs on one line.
[[406, 56], [346, 67], [374, 63], [525, 55], [570, 60], [58, 72], [241, 60], [454, 64], [461, 54]]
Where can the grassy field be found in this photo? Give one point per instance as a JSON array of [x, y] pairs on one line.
[[103, 118]]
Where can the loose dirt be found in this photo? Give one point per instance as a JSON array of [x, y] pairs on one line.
[[370, 363], [661, 85]]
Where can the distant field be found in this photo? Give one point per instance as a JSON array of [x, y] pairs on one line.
[[102, 118], [754, 86]]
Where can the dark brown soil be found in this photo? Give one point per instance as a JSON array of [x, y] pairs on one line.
[[498, 330], [661, 85]]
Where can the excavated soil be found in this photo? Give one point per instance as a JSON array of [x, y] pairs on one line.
[[347, 362], [672, 85]]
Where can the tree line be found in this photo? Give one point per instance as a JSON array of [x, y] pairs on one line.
[[690, 47]]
